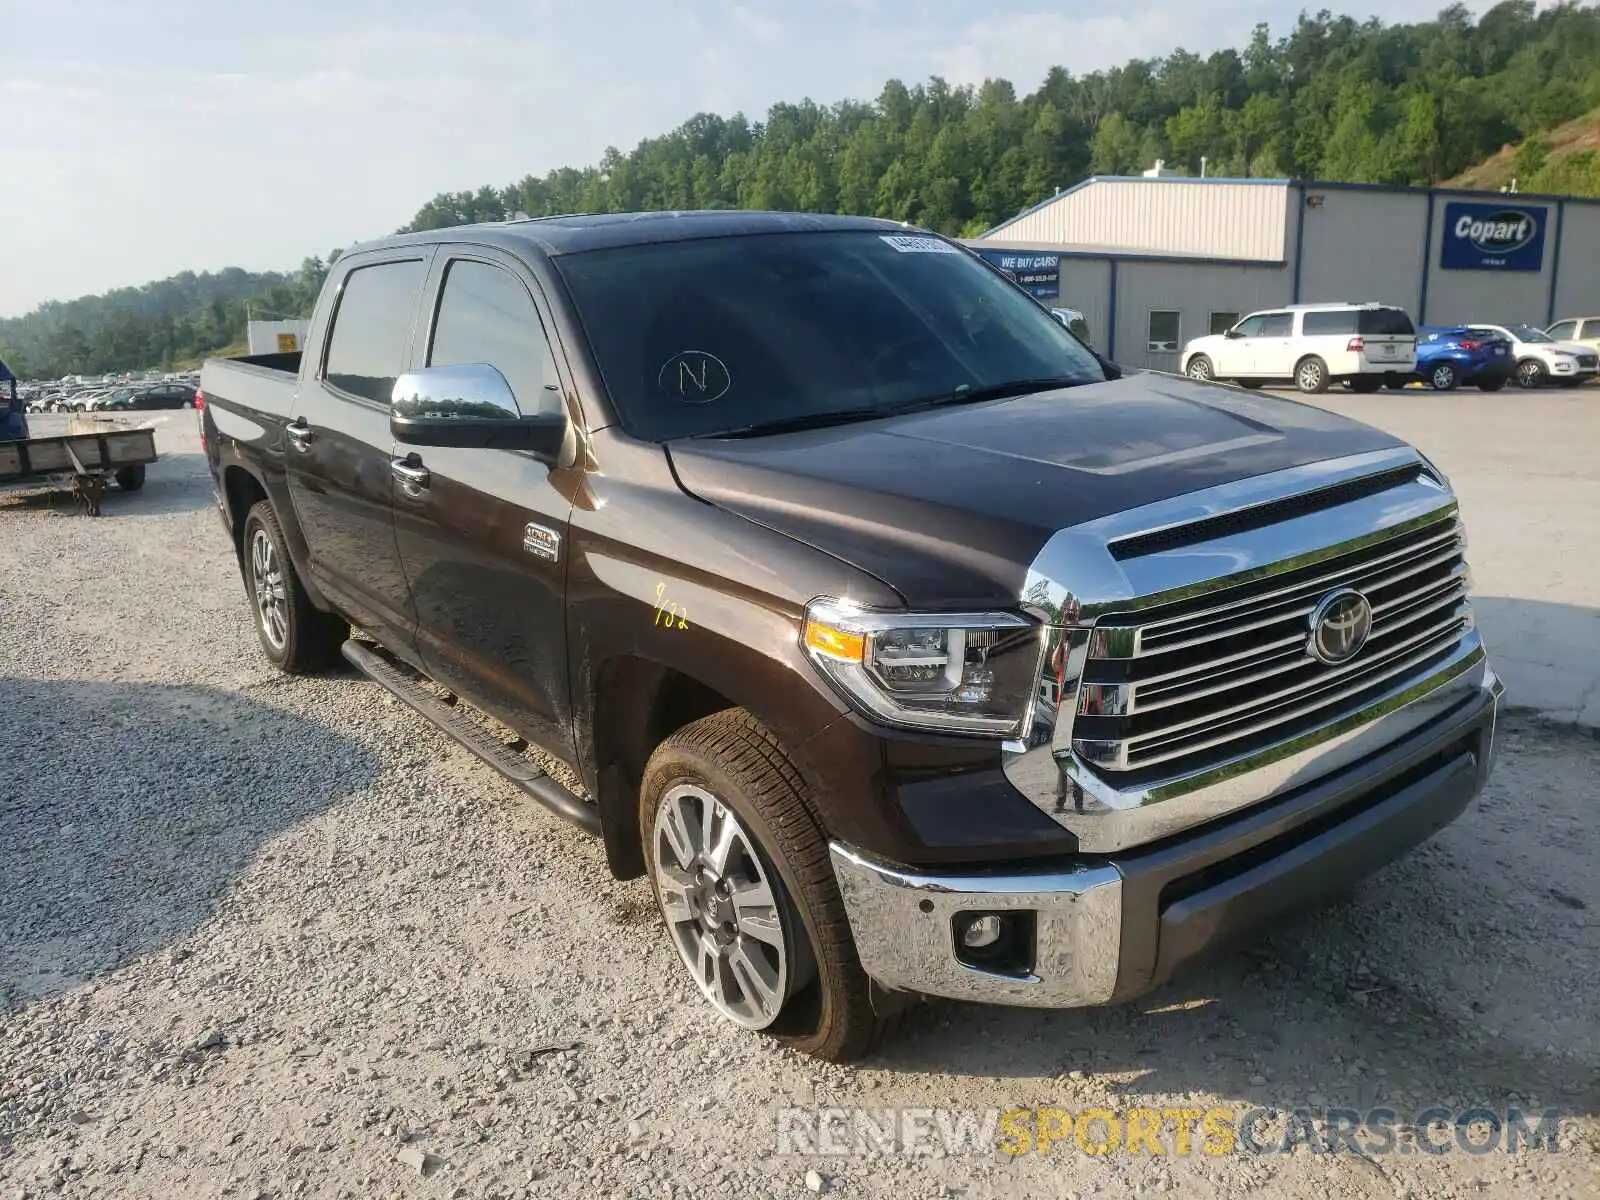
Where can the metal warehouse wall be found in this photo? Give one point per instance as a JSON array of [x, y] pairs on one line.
[[1577, 292], [1086, 286], [1216, 219], [1194, 291], [1360, 246]]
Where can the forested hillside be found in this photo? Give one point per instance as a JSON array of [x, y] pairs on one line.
[[1334, 98], [170, 322]]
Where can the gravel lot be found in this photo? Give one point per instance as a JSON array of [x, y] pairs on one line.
[[273, 938]]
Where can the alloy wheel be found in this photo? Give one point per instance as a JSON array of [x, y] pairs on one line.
[[1200, 369], [1444, 378], [1310, 377], [270, 588], [721, 906]]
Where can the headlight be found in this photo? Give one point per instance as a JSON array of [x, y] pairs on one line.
[[956, 673]]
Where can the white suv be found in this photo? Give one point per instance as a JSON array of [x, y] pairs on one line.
[[1542, 359], [1315, 345]]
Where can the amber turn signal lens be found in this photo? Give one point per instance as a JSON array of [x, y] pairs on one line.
[[835, 642]]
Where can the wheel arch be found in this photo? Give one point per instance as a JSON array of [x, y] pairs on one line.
[[636, 702]]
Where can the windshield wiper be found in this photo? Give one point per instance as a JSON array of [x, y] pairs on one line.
[[967, 394], [817, 420]]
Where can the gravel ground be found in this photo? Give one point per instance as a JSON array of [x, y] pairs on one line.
[[265, 937]]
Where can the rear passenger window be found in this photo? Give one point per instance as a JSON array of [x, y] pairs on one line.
[[372, 328], [1385, 322], [487, 316], [1277, 325], [1340, 320]]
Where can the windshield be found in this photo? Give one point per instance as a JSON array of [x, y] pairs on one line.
[[1527, 333], [710, 336]]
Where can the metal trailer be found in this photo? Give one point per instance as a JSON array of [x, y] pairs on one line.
[[85, 459]]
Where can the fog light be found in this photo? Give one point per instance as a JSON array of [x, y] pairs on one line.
[[982, 932]]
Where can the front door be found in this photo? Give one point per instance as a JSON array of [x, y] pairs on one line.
[[339, 447], [1236, 355], [483, 533], [1274, 346]]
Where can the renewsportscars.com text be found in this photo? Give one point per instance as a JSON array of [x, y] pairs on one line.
[[858, 1132]]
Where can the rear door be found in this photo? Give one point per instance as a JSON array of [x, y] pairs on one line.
[[339, 447], [1389, 339], [483, 533]]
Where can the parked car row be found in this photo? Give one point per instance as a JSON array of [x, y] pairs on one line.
[[1369, 346], [141, 396]]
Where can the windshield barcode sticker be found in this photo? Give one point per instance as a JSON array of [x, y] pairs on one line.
[[918, 245]]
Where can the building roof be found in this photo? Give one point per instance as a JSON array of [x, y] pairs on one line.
[[1307, 184]]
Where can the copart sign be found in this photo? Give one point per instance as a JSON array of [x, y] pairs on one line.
[[1493, 237]]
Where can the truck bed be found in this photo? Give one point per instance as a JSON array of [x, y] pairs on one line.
[[265, 383]]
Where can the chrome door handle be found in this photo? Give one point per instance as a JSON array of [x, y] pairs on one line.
[[412, 475], [299, 433]]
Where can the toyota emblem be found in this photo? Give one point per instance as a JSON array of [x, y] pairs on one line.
[[1340, 626]]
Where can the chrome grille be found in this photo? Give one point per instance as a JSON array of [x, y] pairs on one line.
[[1178, 687]]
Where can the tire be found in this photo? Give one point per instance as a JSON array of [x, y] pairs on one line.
[[1571, 383], [1491, 383], [1311, 375], [1365, 385], [730, 758], [1443, 377], [1530, 373], [295, 635], [1200, 368], [131, 479]]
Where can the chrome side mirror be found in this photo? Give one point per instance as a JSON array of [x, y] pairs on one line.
[[471, 406]]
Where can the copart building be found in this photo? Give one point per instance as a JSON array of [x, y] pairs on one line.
[[1152, 262]]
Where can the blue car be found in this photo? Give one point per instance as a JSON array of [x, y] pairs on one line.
[[13, 420], [1450, 355]]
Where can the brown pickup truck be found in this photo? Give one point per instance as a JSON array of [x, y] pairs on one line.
[[905, 644]]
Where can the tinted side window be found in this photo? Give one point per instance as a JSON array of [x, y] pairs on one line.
[[487, 316], [1341, 320], [1563, 330], [1277, 325], [372, 327], [1386, 322]]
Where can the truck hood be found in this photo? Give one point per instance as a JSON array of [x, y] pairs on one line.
[[950, 506]]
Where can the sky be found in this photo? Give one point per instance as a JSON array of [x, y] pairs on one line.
[[139, 138]]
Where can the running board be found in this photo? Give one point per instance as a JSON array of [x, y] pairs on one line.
[[528, 776]]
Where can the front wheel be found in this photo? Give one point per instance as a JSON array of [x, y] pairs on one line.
[[1311, 376], [297, 638], [1443, 377], [1200, 368], [1530, 373], [743, 878]]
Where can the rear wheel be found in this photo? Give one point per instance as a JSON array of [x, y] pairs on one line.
[[1365, 384], [743, 878], [131, 479], [1491, 383], [1443, 377], [1200, 368], [296, 637], [1530, 373], [1311, 375]]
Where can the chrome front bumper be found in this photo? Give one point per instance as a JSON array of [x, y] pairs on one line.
[[1105, 930]]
